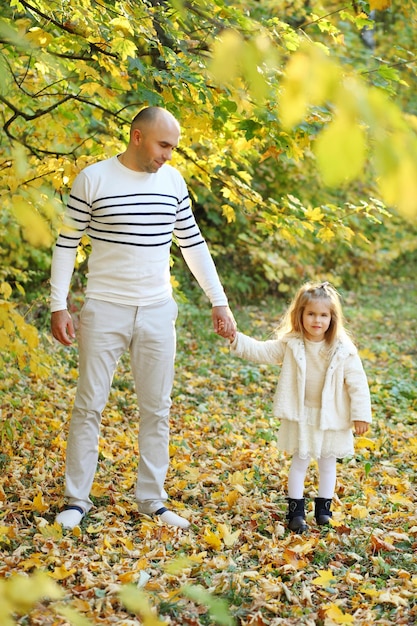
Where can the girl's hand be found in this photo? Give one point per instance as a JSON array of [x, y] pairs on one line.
[[360, 427]]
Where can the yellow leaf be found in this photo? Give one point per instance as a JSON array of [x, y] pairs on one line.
[[72, 616], [399, 184], [5, 533], [335, 614], [340, 150], [324, 578], [212, 539], [367, 354], [353, 578], [225, 55], [304, 547], [39, 37], [35, 560], [60, 573], [392, 598], [123, 47], [137, 601], [295, 560], [39, 504], [310, 79], [315, 215], [229, 538], [370, 591], [397, 498], [237, 478], [35, 228], [25, 591], [379, 5], [325, 234], [5, 290], [127, 577], [229, 213], [359, 512], [231, 498], [364, 442], [179, 564], [123, 24], [51, 531]]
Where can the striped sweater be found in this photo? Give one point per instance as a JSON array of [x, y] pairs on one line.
[[130, 218]]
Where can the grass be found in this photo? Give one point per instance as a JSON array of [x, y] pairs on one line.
[[227, 474]]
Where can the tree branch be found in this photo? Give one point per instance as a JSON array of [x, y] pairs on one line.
[[67, 29], [322, 17]]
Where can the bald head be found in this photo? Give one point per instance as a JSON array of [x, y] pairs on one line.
[[150, 116], [154, 134]]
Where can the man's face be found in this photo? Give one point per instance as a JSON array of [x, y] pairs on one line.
[[154, 144]]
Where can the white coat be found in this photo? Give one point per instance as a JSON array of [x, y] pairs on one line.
[[345, 395]]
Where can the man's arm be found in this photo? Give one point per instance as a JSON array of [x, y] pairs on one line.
[[201, 264]]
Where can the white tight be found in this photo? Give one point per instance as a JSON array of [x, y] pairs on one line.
[[297, 474]]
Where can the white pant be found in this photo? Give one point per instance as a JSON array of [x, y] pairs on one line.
[[106, 331], [297, 474]]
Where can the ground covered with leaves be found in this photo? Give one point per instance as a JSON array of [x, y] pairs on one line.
[[237, 563]]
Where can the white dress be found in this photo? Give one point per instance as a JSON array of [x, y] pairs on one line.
[[305, 437]]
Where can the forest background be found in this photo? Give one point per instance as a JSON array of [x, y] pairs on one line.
[[299, 146]]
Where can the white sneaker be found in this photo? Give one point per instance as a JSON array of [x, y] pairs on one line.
[[70, 517], [171, 518]]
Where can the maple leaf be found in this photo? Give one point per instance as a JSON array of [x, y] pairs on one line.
[[379, 544], [315, 215], [39, 503], [231, 498], [397, 498], [392, 598], [229, 537], [365, 442], [359, 512], [326, 234], [60, 573], [212, 539], [333, 612], [294, 559], [324, 579]]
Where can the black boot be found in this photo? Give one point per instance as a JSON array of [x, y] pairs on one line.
[[296, 515], [322, 511]]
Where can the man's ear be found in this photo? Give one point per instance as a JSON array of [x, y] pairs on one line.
[[136, 136]]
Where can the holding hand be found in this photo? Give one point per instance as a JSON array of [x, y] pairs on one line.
[[223, 322]]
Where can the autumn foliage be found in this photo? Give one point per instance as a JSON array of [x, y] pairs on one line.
[[299, 144], [237, 564]]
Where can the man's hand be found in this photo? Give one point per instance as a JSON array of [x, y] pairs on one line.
[[360, 427], [62, 327], [223, 322]]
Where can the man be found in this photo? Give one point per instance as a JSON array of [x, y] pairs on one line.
[[130, 206]]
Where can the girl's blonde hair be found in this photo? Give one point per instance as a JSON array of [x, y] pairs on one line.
[[292, 323]]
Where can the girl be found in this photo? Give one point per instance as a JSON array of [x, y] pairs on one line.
[[322, 393]]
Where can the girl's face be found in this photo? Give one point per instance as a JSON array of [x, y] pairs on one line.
[[316, 320]]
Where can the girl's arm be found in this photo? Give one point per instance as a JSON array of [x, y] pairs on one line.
[[358, 390], [270, 351]]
